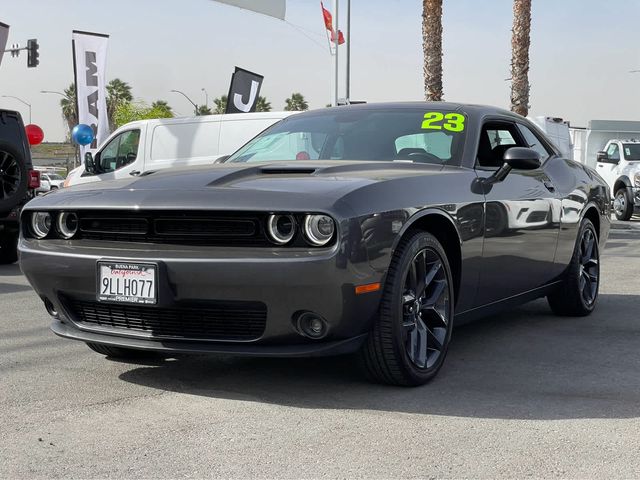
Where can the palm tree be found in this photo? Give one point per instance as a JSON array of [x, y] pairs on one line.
[[221, 104], [203, 110], [162, 106], [432, 49], [263, 105], [520, 41], [68, 105], [118, 92], [296, 103]]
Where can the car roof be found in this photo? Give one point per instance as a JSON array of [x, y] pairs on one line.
[[468, 108]]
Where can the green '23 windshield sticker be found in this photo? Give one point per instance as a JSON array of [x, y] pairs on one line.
[[454, 122]]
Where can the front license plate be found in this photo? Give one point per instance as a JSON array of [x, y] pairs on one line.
[[127, 282]]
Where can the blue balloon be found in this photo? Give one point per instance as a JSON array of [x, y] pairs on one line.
[[82, 134]]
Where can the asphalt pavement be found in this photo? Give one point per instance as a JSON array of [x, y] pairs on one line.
[[522, 394]]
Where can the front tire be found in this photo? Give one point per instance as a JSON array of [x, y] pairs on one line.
[[409, 340], [623, 204], [578, 293]]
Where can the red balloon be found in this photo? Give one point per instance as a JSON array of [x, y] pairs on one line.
[[35, 135]]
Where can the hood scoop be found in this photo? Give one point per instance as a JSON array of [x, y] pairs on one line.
[[287, 170]]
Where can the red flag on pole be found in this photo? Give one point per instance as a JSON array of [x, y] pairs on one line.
[[328, 23]]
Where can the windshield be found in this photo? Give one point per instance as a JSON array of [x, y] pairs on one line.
[[631, 151], [368, 134]]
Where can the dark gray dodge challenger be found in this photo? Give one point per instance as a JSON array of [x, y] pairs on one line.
[[370, 229]]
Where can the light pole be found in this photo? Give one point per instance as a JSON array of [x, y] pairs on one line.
[[195, 107], [20, 100], [51, 91], [206, 97]]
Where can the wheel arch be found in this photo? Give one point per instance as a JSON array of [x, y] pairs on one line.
[[621, 182], [442, 226], [592, 213]]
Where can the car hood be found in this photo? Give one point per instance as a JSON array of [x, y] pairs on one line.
[[292, 186]]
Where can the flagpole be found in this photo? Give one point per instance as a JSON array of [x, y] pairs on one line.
[[337, 45], [348, 88]]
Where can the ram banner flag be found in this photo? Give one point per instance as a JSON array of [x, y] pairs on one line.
[[244, 91], [89, 64], [4, 35], [273, 8]]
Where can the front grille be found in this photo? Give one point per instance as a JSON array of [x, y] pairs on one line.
[[193, 228], [221, 320]]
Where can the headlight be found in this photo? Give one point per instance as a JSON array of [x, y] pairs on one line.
[[67, 224], [319, 229], [40, 224], [281, 228]]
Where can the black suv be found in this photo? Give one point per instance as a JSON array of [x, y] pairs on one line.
[[18, 181]]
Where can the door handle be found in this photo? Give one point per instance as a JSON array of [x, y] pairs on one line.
[[134, 173], [549, 186]]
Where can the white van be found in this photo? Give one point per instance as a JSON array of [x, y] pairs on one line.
[[148, 145]]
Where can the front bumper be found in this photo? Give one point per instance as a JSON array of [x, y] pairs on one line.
[[287, 282]]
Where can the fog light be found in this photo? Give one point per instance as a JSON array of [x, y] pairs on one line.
[[51, 310], [311, 325]]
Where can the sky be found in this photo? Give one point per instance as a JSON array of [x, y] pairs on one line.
[[581, 53]]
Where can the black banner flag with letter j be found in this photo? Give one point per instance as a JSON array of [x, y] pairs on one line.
[[244, 91]]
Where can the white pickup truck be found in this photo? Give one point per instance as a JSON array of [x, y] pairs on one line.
[[619, 165]]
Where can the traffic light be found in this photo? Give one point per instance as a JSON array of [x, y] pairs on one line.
[[32, 53]]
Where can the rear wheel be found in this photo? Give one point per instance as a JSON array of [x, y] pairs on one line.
[[409, 340], [119, 352], [8, 248], [623, 204], [578, 293], [13, 177]]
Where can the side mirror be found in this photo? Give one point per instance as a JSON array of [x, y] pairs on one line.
[[521, 158], [131, 156], [221, 159], [89, 164], [515, 158], [602, 157]]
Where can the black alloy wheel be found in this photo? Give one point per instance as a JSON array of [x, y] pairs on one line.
[[425, 308], [13, 177], [408, 341], [578, 293]]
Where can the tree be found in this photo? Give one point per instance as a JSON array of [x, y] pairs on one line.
[[162, 106], [296, 103], [203, 110], [118, 93], [131, 111], [221, 104], [432, 49], [520, 41], [68, 105], [263, 105]]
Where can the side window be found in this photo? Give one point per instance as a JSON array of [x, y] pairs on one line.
[[120, 151], [613, 152], [534, 142], [495, 139]]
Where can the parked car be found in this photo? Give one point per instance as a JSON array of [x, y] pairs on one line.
[[145, 145], [357, 228], [18, 181], [619, 165], [44, 187], [55, 180]]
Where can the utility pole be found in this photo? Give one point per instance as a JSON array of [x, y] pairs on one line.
[[195, 107], [348, 87], [336, 63]]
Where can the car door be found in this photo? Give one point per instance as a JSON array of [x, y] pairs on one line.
[[609, 170], [521, 217], [118, 158]]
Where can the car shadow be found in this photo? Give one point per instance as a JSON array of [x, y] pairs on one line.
[[13, 269], [523, 364]]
